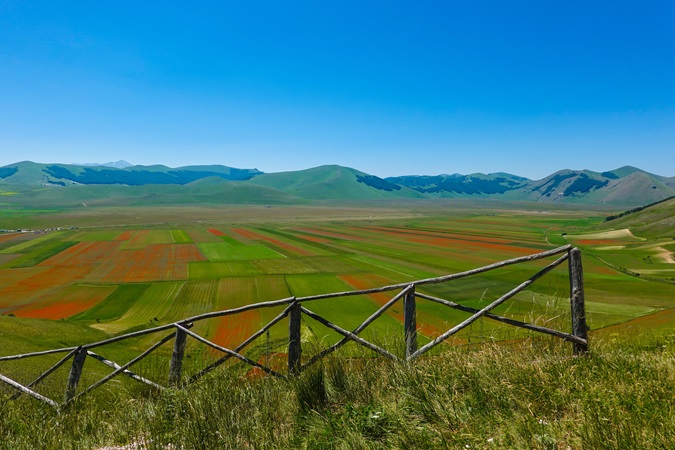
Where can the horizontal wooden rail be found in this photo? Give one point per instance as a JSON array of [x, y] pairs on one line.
[[41, 353], [30, 392], [130, 374]]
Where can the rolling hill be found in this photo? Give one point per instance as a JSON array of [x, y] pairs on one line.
[[34, 184], [333, 182]]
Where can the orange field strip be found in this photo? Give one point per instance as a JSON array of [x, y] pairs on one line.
[[124, 236], [216, 232], [38, 284], [367, 281], [472, 245], [200, 235], [443, 235], [138, 239], [602, 270], [598, 242], [184, 254], [317, 239], [451, 242], [233, 330], [89, 254], [4, 237], [64, 305], [56, 311], [260, 237], [157, 262], [328, 234]]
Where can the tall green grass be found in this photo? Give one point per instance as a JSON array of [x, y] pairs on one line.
[[533, 395]]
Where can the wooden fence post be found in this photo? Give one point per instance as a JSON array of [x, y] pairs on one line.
[[410, 322], [577, 300], [294, 348], [75, 373], [177, 357]]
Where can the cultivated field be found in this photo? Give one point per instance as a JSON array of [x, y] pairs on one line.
[[113, 279]]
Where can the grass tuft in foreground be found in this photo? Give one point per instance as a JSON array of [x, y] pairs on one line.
[[535, 396]]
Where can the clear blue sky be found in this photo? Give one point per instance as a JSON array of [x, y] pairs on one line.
[[388, 87]]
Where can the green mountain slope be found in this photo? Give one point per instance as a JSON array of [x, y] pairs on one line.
[[627, 185], [656, 221], [462, 185], [333, 183]]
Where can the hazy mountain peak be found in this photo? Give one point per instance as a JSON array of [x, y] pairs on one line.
[[121, 164]]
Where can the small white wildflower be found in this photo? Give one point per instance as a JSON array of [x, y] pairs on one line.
[[491, 440], [542, 422]]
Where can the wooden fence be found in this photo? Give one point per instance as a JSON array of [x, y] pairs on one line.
[[406, 292]]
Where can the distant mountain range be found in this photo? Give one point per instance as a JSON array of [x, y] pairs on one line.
[[119, 182]]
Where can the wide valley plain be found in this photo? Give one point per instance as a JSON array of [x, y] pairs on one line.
[[83, 275]]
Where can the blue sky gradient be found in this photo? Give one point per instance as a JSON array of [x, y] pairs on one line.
[[390, 88]]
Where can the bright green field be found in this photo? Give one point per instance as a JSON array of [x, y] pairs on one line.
[[221, 251]]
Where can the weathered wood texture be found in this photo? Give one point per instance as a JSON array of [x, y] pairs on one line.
[[28, 391], [75, 373], [410, 322], [121, 369], [577, 300], [294, 337], [177, 356]]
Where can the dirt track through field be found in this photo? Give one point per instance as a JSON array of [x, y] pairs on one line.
[[666, 255], [605, 235]]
